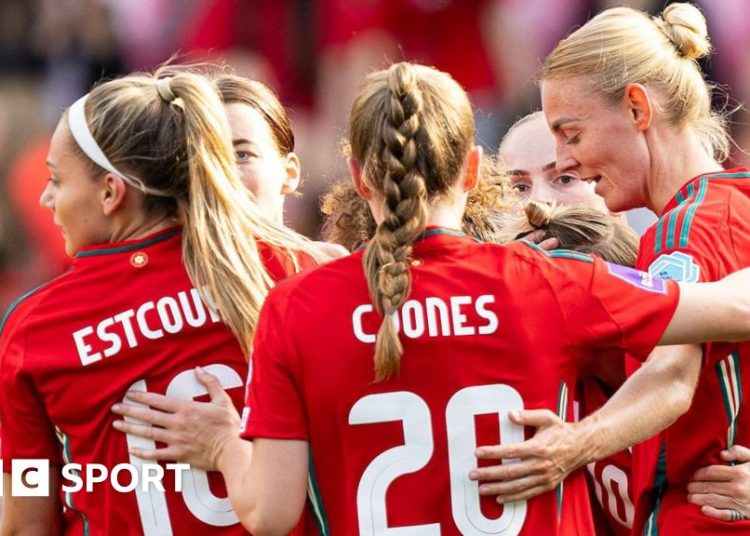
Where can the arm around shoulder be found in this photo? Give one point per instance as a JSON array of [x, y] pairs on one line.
[[718, 311]]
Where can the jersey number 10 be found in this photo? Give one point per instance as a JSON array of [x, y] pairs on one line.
[[418, 448], [203, 504]]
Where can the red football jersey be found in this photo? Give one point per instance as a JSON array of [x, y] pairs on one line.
[[610, 477], [703, 235], [125, 316], [486, 329]]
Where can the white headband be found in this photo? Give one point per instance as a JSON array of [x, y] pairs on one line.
[[79, 129]]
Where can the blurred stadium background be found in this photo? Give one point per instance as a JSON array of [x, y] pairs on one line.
[[312, 52]]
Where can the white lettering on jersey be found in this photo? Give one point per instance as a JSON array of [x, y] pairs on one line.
[[435, 317], [153, 320]]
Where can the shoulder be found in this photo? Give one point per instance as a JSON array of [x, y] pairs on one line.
[[319, 280], [28, 303], [682, 243], [333, 251]]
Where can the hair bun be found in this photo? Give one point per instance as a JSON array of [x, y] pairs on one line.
[[685, 26], [538, 214]]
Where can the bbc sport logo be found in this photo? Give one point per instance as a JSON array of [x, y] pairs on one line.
[[31, 477]]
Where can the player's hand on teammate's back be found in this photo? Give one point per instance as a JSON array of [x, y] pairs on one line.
[[723, 491], [194, 432], [534, 466], [537, 237]]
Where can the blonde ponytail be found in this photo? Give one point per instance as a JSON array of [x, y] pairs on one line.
[[174, 137]]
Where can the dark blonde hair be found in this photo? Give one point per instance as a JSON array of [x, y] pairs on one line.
[[411, 128], [621, 46], [261, 98], [349, 222], [578, 228], [182, 148]]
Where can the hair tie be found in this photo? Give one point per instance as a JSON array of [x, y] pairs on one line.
[[164, 87], [79, 129]]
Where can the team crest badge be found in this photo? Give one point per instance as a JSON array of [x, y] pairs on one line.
[[139, 259], [677, 266]]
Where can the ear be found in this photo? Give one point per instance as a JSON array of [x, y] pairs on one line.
[[360, 185], [639, 106], [293, 174], [112, 193], [473, 160]]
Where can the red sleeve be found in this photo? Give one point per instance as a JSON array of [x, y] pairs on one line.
[[26, 431], [608, 306], [274, 407]]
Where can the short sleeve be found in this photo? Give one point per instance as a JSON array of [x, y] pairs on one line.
[[274, 407], [608, 306], [26, 431]]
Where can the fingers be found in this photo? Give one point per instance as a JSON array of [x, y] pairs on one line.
[[534, 236], [157, 455], [527, 449], [549, 244], [714, 500], [720, 513], [538, 418], [161, 402], [143, 430], [143, 414], [515, 487], [213, 386], [737, 453], [512, 471], [702, 487], [714, 473], [523, 496]]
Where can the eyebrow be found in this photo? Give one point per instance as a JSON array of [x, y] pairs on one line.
[[241, 141], [546, 167], [51, 164], [557, 123]]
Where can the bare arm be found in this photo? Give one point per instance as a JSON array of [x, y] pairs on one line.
[[649, 401], [718, 311], [31, 516], [267, 482]]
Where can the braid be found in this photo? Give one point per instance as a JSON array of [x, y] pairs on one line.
[[386, 260]]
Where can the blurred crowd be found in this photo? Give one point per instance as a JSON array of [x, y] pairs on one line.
[[314, 53]]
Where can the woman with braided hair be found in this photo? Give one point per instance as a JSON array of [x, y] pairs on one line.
[[394, 361], [349, 222]]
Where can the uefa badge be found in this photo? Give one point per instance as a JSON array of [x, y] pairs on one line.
[[139, 259]]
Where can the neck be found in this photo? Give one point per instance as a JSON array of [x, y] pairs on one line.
[[677, 159], [140, 228], [449, 215]]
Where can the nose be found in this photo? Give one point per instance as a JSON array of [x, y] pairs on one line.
[[564, 159], [46, 199], [541, 191]]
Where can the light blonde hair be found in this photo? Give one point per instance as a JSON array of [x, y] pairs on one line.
[[578, 228], [621, 46], [183, 149], [411, 128]]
